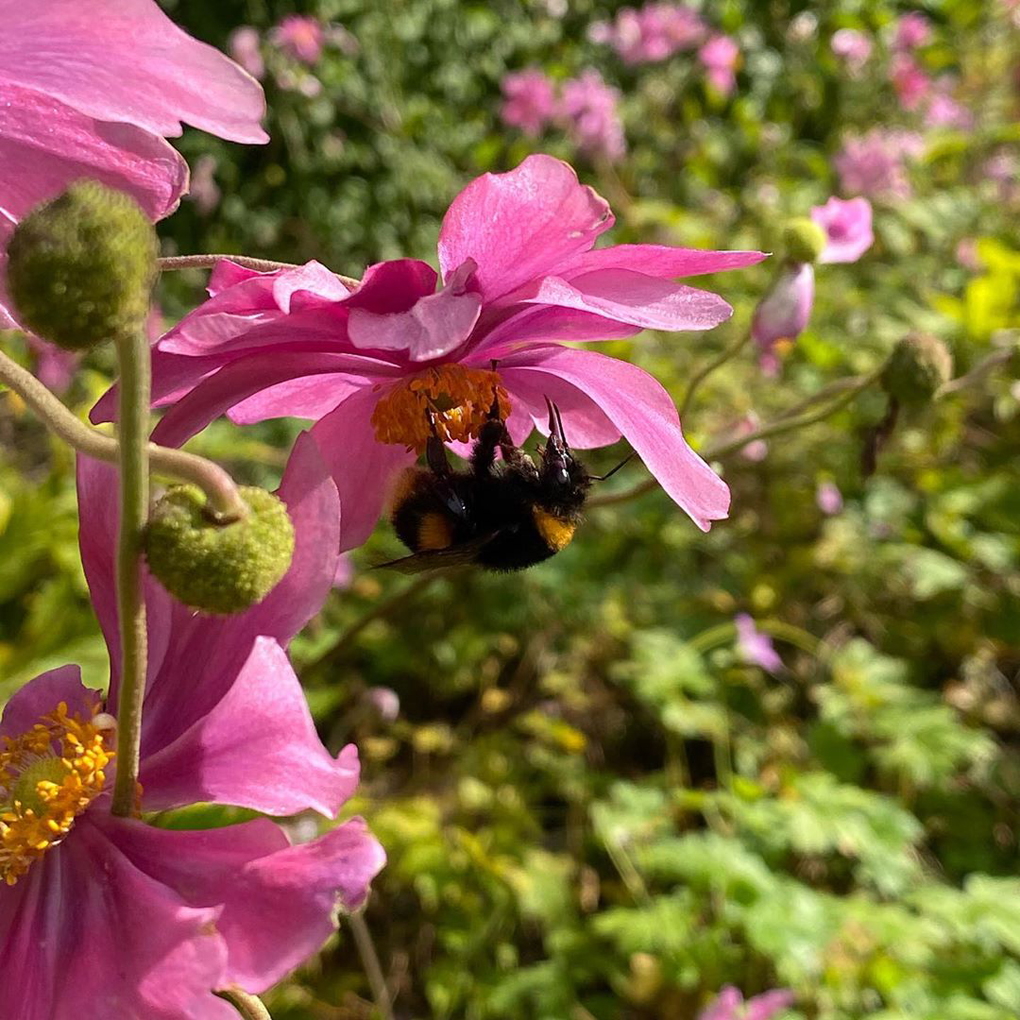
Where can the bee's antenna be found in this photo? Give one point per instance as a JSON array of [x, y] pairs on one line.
[[609, 474], [555, 422]]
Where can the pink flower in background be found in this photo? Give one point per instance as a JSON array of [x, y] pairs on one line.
[[853, 47], [847, 226], [226, 722], [911, 82], [520, 276], [301, 37], [828, 498], [529, 100], [205, 192], [943, 109], [653, 33], [593, 123], [385, 701], [784, 311], [91, 88], [755, 648], [874, 164], [244, 45], [912, 30], [719, 57]]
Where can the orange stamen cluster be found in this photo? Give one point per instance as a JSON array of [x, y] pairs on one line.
[[48, 777], [450, 401]]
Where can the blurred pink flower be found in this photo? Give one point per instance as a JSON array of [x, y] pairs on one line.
[[593, 123], [912, 30], [90, 88], [385, 701], [300, 36], [847, 226], [873, 164], [730, 1005], [520, 276], [785, 310], [205, 192], [755, 648], [652, 33], [53, 367], [226, 722], [912, 83], [967, 254], [943, 109], [853, 47], [756, 451], [828, 498], [720, 56], [244, 45], [344, 572], [529, 100]]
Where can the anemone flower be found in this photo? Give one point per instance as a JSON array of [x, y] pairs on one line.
[[755, 647], [374, 364], [847, 226], [730, 1005], [107, 916], [92, 88]]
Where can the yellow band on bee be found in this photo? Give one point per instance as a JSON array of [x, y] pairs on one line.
[[556, 532]]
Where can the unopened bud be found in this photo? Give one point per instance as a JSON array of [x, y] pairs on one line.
[[919, 366], [804, 240], [214, 567], [785, 310], [81, 267]]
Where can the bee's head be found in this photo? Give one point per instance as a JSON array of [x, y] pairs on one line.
[[564, 479]]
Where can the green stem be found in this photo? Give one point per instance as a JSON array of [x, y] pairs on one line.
[[259, 265], [177, 464], [250, 1007], [703, 373], [370, 961], [135, 386]]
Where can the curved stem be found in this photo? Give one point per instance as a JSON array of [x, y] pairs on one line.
[[135, 378], [250, 1007], [373, 969], [209, 477], [259, 265], [706, 370]]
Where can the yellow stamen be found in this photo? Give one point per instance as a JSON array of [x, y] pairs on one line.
[[48, 776], [456, 398]]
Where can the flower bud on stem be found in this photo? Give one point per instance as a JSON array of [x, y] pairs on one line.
[[249, 1006]]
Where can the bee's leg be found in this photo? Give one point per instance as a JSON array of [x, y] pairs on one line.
[[491, 436], [435, 451]]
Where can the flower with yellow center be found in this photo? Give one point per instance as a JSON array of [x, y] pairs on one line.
[[48, 777], [454, 400]]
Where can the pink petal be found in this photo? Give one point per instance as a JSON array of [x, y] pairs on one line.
[[125, 60], [659, 260], [527, 324], [278, 901], [37, 164], [644, 413], [255, 748], [65, 926], [630, 297], [362, 467], [42, 695], [433, 326], [521, 225], [394, 286]]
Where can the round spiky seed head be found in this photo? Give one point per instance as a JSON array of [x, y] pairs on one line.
[[81, 267], [803, 240], [218, 568], [919, 366]]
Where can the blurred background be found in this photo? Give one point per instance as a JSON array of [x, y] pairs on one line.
[[779, 756]]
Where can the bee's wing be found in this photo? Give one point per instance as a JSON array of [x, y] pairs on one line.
[[439, 559]]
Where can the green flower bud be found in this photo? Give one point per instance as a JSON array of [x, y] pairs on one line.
[[81, 267], [214, 567], [918, 367], [803, 240]]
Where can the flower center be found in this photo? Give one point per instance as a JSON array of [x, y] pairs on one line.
[[454, 399], [48, 776]]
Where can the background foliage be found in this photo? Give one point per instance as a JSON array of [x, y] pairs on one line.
[[594, 807]]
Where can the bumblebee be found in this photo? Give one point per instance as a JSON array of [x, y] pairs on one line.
[[502, 515]]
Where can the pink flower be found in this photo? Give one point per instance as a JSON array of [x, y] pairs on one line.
[[828, 498], [530, 101], [720, 56], [226, 722], [912, 30], [755, 648], [655, 32], [54, 367], [944, 111], [520, 276], [784, 312], [205, 192], [91, 88], [244, 45], [874, 164], [853, 47], [593, 123], [847, 225], [300, 36], [911, 82], [727, 1005]]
